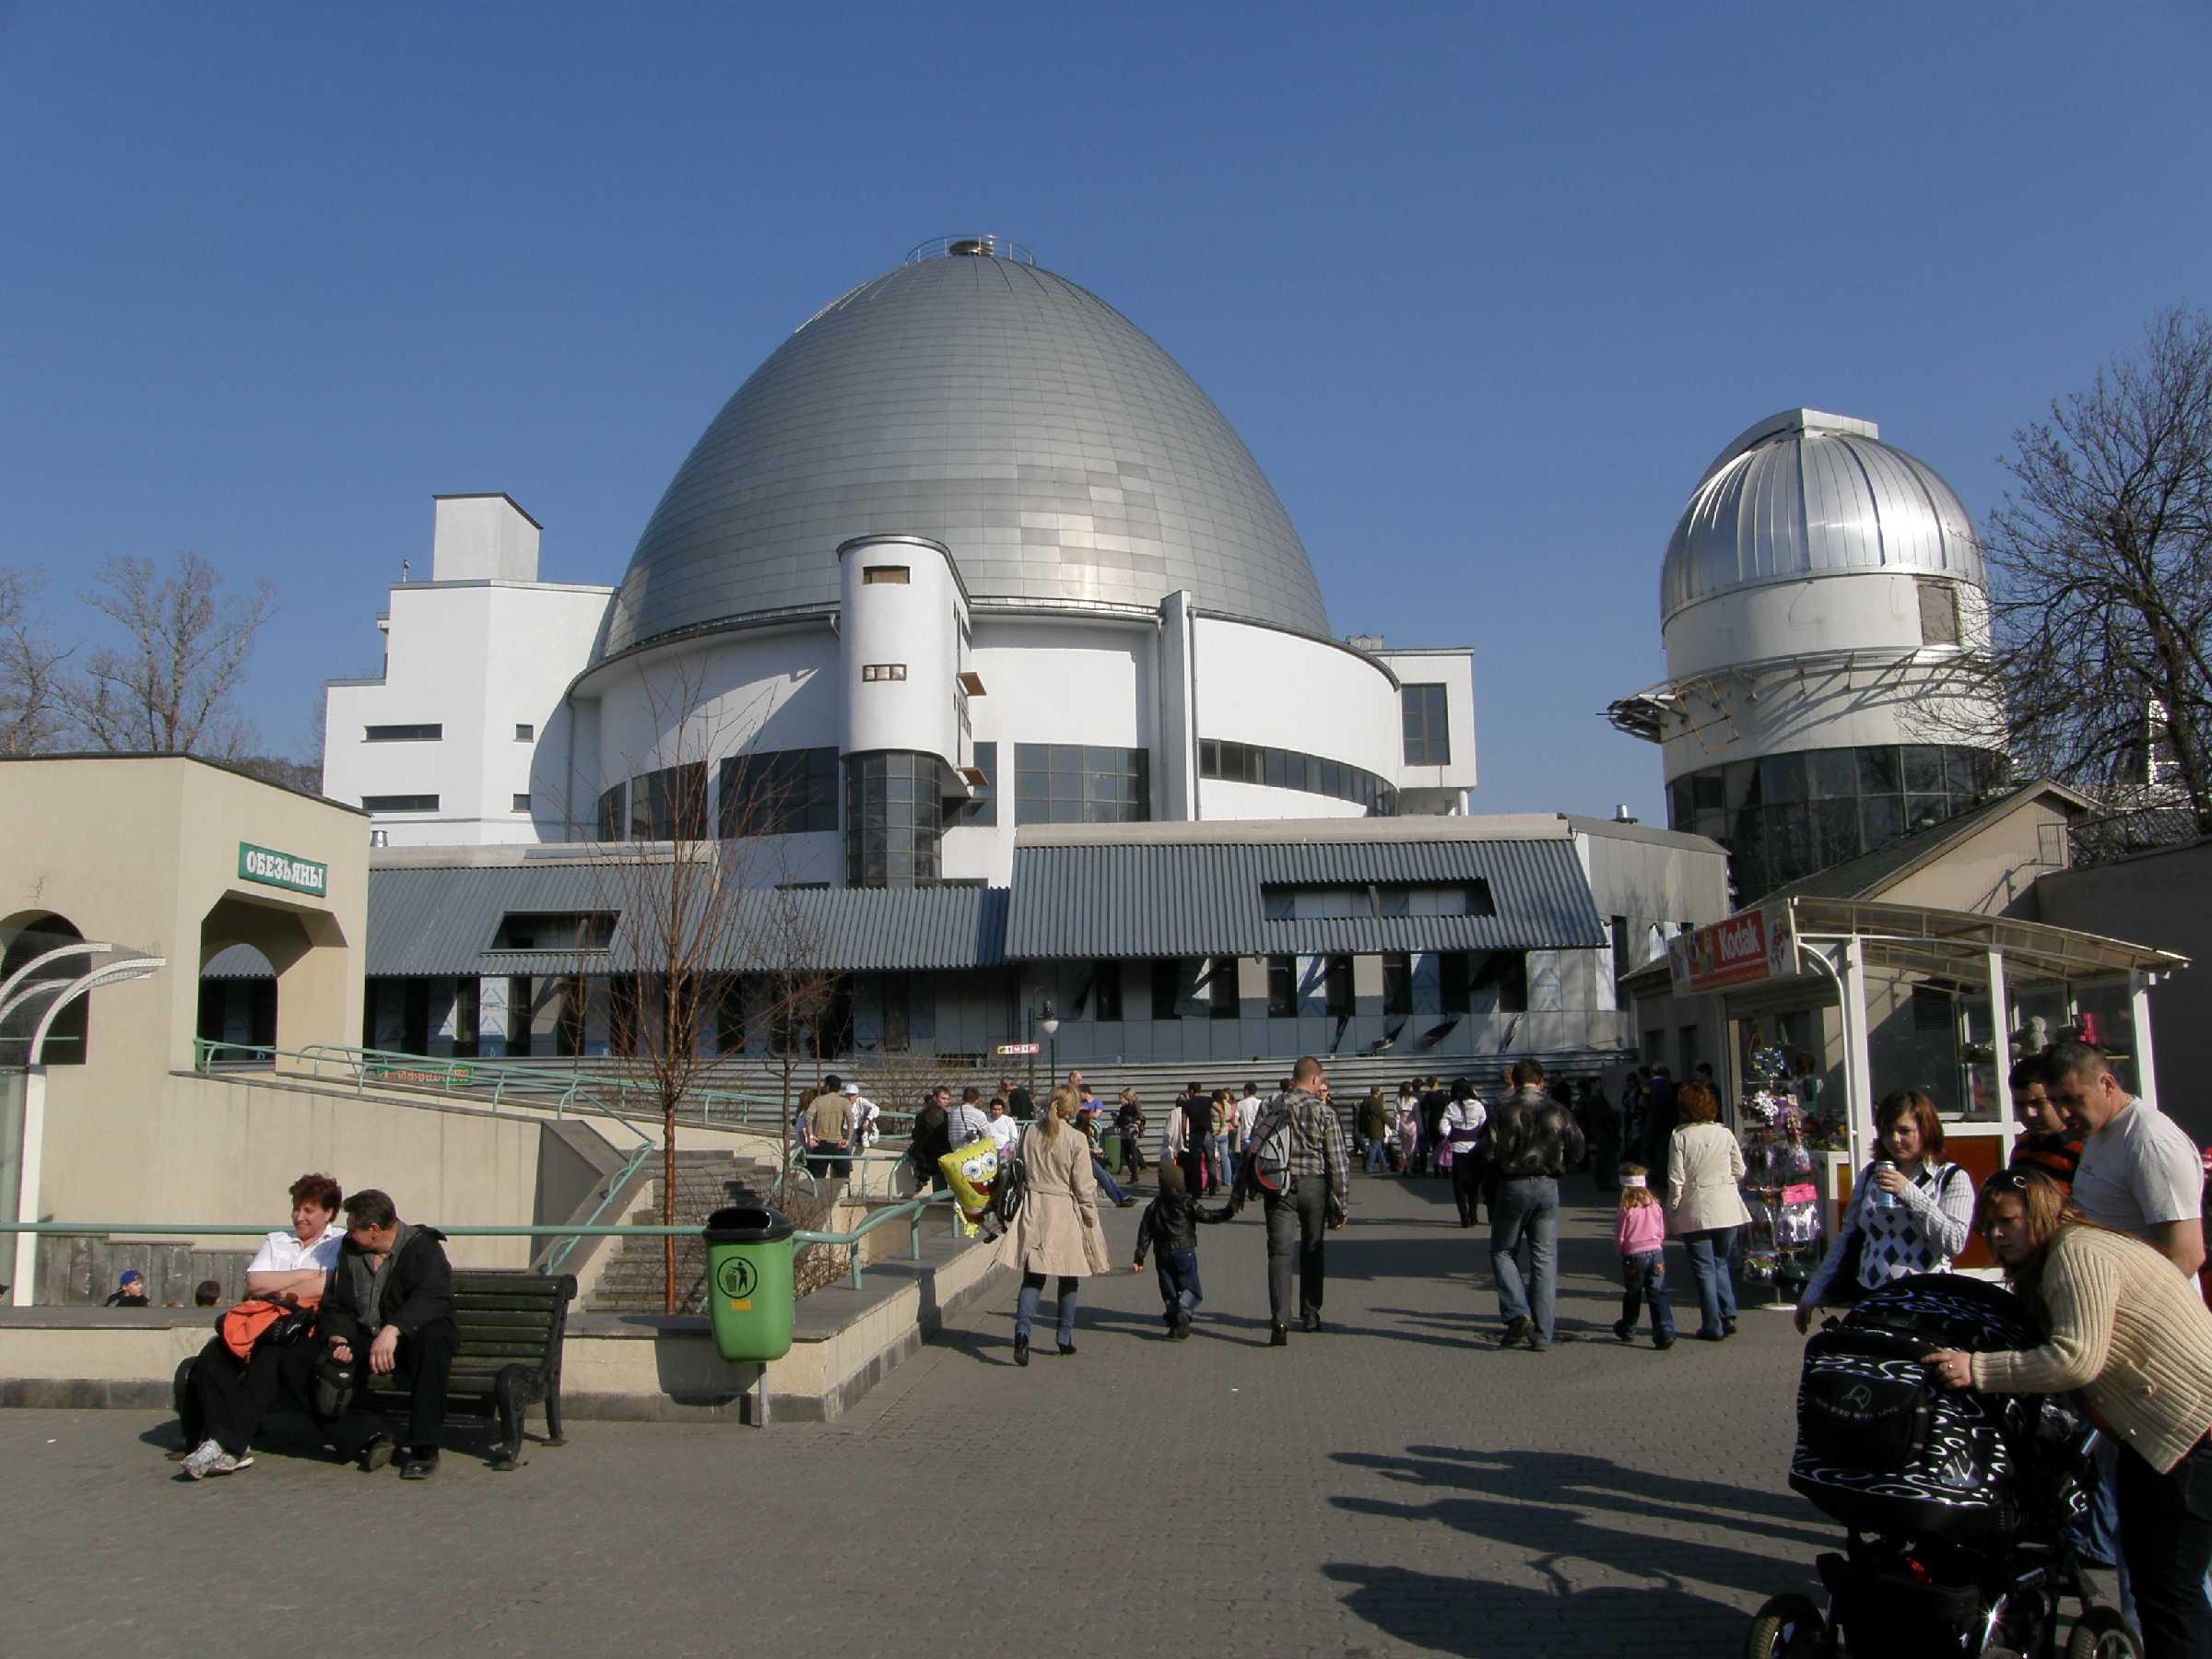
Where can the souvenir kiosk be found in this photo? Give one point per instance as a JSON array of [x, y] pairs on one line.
[[1885, 996]]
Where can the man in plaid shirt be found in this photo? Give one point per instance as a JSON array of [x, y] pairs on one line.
[[1318, 1197]]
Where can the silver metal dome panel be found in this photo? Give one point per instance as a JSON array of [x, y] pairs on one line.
[[1804, 494], [1059, 453]]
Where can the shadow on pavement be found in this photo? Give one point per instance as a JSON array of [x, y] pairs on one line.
[[1482, 1620]]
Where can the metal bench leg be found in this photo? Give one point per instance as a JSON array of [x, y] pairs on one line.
[[508, 1390], [555, 1434]]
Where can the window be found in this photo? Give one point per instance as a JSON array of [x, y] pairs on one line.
[[898, 997], [670, 804], [777, 792], [518, 1016], [524, 732], [1078, 783], [1505, 974], [522, 801], [1221, 988], [403, 734], [896, 575], [1235, 762], [1282, 987], [894, 819], [1428, 736], [872, 672], [1618, 927], [1336, 987], [610, 814], [1106, 990], [1397, 982], [467, 995], [729, 1015], [1167, 979], [983, 808], [1454, 982], [1283, 902], [399, 803], [1938, 614]]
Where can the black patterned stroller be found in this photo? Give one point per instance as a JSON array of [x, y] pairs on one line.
[[1956, 1502]]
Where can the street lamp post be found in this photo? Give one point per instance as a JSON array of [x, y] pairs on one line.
[[1048, 1022]]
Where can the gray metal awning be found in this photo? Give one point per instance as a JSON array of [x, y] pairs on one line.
[[1955, 945], [1189, 898]]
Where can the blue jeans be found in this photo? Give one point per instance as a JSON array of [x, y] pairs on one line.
[[1374, 1154], [1643, 1284], [1025, 1306], [1216, 1147], [1527, 1211], [1710, 1272], [1177, 1279], [1106, 1184]]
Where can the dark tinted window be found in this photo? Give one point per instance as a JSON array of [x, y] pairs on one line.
[[1428, 737], [777, 792]]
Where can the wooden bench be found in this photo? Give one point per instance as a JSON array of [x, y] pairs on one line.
[[512, 1326]]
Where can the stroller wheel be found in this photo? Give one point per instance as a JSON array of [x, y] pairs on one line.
[[1789, 1627], [2101, 1633]]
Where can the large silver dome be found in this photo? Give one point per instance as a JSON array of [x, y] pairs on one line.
[[994, 406], [1806, 494]]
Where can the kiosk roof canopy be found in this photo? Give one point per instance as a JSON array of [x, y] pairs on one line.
[[1955, 945]]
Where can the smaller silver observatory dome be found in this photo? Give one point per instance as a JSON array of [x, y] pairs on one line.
[[1804, 494]]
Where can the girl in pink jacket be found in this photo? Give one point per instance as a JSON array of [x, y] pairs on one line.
[[1641, 1237]]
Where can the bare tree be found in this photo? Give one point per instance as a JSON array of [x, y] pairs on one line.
[[2103, 554], [681, 891], [31, 669], [796, 993], [169, 690]]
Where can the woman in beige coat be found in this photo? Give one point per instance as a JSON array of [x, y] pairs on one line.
[[1705, 1205], [1057, 1230]]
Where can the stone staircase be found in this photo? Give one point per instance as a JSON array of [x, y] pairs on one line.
[[632, 1282]]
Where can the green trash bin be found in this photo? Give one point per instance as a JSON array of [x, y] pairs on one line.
[[1110, 1146], [749, 1287]]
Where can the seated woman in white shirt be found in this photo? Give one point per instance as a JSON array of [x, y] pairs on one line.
[[224, 1398]]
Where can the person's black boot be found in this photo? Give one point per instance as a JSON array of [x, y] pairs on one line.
[[1021, 1350], [420, 1464], [376, 1454], [1278, 1337]]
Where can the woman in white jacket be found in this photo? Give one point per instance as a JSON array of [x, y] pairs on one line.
[[1705, 1205]]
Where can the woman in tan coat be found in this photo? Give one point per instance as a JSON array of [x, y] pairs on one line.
[[1705, 1204], [1057, 1230]]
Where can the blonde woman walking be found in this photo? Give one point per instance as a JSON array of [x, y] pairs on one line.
[[1056, 1232]]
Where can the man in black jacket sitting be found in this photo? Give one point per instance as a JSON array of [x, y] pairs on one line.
[[390, 1309]]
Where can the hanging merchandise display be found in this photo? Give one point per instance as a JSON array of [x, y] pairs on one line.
[[1779, 1186]]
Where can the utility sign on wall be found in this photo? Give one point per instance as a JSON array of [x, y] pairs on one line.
[[285, 870]]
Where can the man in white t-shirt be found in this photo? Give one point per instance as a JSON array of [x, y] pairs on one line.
[[860, 1119], [1248, 1113], [2139, 1173]]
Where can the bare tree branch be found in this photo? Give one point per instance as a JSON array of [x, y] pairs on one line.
[[2103, 559], [169, 690], [31, 669]]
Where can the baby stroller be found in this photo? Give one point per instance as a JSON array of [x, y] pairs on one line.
[[1956, 1502]]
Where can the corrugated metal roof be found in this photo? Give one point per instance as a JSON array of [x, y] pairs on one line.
[[442, 920], [1105, 900], [861, 930]]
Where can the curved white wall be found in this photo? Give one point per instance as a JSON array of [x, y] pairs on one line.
[[767, 690], [1873, 610], [1283, 691], [912, 626]]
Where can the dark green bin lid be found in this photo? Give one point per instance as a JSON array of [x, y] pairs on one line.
[[748, 1224]]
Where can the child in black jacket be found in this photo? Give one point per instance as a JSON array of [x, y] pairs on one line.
[[1170, 1225]]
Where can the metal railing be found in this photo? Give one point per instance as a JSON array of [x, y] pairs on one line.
[[910, 1210], [493, 1081]]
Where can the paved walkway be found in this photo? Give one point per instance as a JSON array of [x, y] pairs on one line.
[[1396, 1484]]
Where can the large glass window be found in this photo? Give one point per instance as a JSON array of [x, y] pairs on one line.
[[1106, 990], [894, 820], [1291, 769], [1081, 784], [1221, 987], [1397, 982], [610, 814], [669, 804], [1428, 739], [777, 792], [1282, 987], [1788, 816], [1336, 987]]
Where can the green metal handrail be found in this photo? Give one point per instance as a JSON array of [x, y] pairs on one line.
[[557, 1257], [910, 1210]]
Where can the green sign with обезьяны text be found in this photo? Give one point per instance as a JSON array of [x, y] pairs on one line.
[[286, 870]]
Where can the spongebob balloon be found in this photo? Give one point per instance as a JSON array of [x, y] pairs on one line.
[[973, 1172]]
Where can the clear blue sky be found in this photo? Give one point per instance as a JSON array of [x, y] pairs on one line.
[[1484, 288]]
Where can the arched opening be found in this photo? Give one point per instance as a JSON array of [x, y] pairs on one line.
[[29, 937], [238, 1007]]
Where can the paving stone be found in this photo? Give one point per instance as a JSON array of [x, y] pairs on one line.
[[1396, 1484]]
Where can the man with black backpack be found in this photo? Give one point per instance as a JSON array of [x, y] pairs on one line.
[[1296, 1164]]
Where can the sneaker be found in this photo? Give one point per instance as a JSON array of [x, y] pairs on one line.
[[1516, 1332], [1728, 1327], [1538, 1346], [1664, 1342], [1182, 1328], [200, 1462], [1624, 1330], [376, 1454]]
